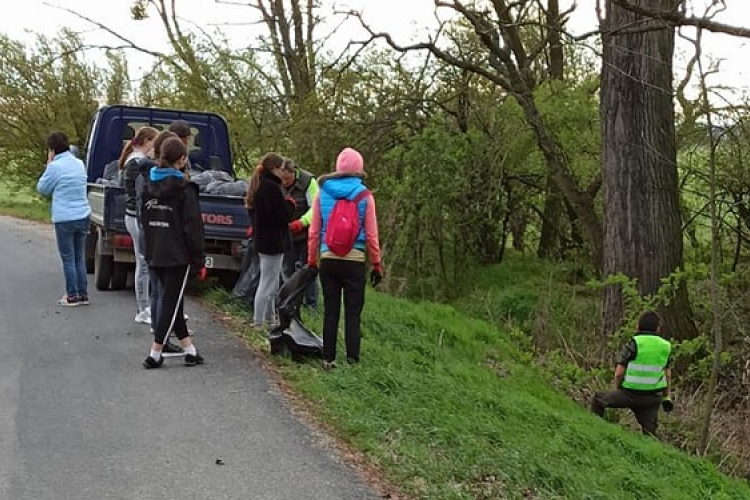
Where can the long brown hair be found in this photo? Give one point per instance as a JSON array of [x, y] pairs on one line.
[[143, 135], [269, 163]]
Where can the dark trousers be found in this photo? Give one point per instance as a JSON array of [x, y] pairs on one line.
[[337, 277], [644, 405], [295, 258], [169, 313]]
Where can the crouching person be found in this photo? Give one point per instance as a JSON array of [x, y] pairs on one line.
[[642, 376], [174, 247]]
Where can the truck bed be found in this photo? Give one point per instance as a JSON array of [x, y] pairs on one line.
[[224, 217]]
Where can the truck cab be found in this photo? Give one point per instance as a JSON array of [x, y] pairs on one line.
[[109, 253]]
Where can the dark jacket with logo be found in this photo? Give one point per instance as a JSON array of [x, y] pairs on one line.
[[271, 214], [171, 220]]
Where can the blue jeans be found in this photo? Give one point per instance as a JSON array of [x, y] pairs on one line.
[[71, 244]]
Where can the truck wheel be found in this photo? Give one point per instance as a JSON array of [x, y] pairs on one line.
[[120, 275], [91, 251], [103, 265]]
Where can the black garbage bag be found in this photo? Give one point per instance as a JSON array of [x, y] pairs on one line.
[[247, 284], [291, 336]]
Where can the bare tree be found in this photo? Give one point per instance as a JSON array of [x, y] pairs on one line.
[[509, 62]]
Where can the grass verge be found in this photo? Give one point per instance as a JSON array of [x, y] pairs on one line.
[[449, 409], [23, 203]]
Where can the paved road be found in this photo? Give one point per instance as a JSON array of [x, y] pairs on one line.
[[80, 419]]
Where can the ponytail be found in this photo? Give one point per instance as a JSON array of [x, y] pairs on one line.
[[142, 136], [252, 186]]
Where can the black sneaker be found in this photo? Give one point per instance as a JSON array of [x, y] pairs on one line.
[[352, 361], [150, 363], [171, 348], [193, 359]]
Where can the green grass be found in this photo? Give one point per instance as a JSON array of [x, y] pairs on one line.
[[23, 203], [448, 408]]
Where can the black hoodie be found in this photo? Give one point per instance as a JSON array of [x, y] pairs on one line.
[[172, 221]]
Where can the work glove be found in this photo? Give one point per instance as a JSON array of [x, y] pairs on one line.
[[376, 275], [296, 226], [199, 273], [667, 405]]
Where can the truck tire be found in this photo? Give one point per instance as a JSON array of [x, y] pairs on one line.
[[103, 265], [120, 275], [91, 251]]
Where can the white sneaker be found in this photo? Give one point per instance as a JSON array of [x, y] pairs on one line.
[[143, 317]]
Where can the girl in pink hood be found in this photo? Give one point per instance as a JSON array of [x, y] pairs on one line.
[[344, 272]]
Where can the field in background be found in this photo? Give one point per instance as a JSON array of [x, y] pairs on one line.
[[23, 202]]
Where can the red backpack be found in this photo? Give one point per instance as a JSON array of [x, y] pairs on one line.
[[343, 225]]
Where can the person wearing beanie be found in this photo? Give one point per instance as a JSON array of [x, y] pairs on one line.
[[343, 271]]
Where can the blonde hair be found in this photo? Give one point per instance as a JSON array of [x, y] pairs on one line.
[[143, 135]]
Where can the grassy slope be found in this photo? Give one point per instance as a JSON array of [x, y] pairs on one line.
[[449, 409], [23, 203]]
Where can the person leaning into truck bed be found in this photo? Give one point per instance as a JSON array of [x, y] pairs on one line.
[[173, 226], [138, 147]]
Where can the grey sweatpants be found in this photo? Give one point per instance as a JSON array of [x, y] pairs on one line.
[[270, 275]]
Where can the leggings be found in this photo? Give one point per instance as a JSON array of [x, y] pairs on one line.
[[133, 226], [342, 277], [270, 275], [171, 286]]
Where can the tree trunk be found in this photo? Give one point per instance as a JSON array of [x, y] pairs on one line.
[[551, 234], [642, 221]]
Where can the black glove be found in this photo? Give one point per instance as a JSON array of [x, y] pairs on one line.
[[667, 405], [375, 277]]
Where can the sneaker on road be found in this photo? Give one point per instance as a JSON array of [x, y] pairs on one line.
[[84, 300], [68, 301], [192, 360], [143, 317], [150, 363]]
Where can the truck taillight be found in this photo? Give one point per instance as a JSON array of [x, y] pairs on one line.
[[122, 241]]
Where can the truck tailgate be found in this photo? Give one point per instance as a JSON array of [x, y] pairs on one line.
[[224, 217]]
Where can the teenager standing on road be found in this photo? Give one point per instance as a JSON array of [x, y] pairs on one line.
[[64, 180], [344, 273], [136, 149], [270, 213], [174, 246]]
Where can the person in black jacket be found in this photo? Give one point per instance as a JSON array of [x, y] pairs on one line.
[[137, 148], [174, 246], [270, 213]]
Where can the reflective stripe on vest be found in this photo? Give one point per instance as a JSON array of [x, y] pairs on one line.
[[646, 371]]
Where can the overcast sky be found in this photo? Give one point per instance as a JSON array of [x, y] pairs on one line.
[[405, 18]]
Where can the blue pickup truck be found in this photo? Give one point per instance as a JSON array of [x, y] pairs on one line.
[[109, 252]]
